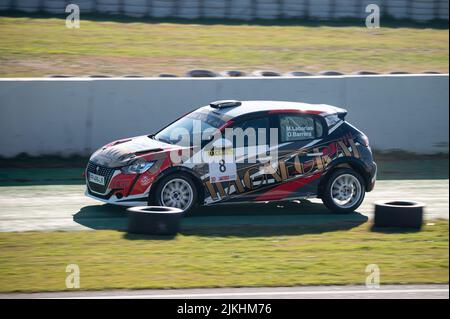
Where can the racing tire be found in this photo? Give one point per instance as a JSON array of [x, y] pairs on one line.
[[344, 191], [154, 220], [399, 214], [176, 190]]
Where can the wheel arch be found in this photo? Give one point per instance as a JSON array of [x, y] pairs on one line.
[[345, 162], [177, 170]]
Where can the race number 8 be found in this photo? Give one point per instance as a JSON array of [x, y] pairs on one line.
[[222, 167]]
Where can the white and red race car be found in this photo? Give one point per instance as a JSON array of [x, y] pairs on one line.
[[233, 151]]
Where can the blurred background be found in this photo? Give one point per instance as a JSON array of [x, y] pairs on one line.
[[153, 37]]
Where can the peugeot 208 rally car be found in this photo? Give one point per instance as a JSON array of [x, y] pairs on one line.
[[239, 151]]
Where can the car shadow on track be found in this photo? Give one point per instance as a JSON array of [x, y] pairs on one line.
[[252, 220], [102, 217]]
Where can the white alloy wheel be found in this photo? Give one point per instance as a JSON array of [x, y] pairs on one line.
[[177, 193], [346, 190]]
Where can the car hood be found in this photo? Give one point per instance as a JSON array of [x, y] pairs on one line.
[[123, 152]]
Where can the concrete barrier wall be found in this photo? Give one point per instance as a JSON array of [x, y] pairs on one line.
[[418, 10], [76, 116]]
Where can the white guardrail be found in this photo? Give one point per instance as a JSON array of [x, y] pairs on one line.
[[77, 115]]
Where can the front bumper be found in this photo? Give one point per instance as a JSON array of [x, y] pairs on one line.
[[137, 200], [119, 188]]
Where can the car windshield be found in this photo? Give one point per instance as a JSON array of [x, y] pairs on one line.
[[187, 130]]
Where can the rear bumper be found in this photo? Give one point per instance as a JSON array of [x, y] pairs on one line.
[[372, 170]]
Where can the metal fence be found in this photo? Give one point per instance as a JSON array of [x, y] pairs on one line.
[[418, 10]]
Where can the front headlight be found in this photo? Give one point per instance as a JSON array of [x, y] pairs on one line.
[[138, 167]]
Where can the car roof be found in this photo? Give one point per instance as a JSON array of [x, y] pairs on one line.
[[248, 107]]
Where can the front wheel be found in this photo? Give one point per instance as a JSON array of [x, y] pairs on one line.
[[177, 190], [344, 191]]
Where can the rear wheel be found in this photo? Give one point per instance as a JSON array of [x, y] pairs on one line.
[[177, 190], [344, 191]]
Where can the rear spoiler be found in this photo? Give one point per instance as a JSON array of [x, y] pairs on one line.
[[330, 110], [335, 117], [342, 114]]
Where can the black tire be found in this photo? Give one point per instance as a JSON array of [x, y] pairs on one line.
[[154, 220], [327, 197], [399, 214], [155, 198]]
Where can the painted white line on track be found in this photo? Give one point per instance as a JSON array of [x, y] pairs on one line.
[[266, 293]]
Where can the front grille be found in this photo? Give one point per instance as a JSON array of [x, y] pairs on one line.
[[106, 172]]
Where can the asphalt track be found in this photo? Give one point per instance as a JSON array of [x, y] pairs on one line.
[[64, 207], [302, 292]]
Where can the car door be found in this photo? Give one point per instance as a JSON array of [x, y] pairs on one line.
[[249, 137], [299, 133]]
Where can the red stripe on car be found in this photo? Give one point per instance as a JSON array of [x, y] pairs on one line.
[[224, 126], [281, 191]]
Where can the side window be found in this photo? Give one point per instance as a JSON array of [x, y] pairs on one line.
[[250, 130], [319, 128], [299, 128]]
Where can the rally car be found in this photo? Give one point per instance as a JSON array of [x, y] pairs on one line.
[[239, 151]]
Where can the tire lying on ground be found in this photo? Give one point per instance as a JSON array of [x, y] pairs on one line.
[[99, 76], [365, 73], [154, 220], [60, 76], [298, 73], [201, 74], [399, 213], [233, 73], [331, 72], [265, 73], [167, 75]]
